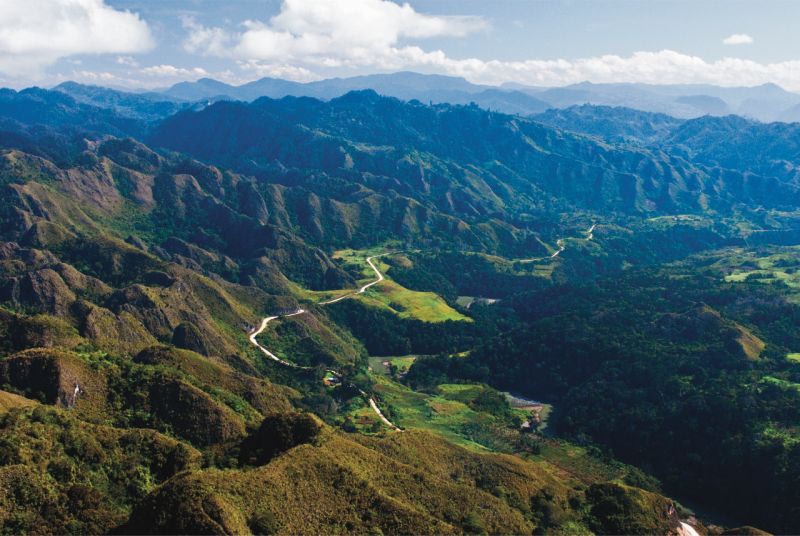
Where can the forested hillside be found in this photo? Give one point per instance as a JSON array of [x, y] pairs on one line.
[[297, 315]]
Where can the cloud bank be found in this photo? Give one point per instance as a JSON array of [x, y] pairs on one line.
[[307, 38], [328, 34], [36, 33]]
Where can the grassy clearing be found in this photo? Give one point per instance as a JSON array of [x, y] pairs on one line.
[[782, 266], [401, 364], [793, 357], [364, 418], [12, 400], [437, 414], [388, 294], [317, 295], [666, 222], [357, 258], [784, 384], [448, 415], [465, 301], [544, 269], [425, 306]]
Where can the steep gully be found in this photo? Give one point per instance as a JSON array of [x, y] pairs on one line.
[[267, 320]]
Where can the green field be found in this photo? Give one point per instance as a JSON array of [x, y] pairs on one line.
[[389, 295], [785, 384], [448, 415], [402, 364], [435, 413], [782, 266]]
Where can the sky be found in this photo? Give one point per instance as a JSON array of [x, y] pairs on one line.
[[150, 44]]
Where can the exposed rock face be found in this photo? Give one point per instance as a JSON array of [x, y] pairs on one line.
[[52, 290]]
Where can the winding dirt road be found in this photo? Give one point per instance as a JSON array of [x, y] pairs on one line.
[[361, 290], [561, 246], [269, 354], [267, 320]]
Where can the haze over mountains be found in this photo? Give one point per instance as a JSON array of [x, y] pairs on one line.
[[765, 103]]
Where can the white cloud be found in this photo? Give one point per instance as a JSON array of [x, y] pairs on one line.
[[328, 33], [127, 60], [206, 41], [662, 67], [307, 38], [738, 39], [96, 77], [278, 70], [36, 33], [170, 71], [101, 78]]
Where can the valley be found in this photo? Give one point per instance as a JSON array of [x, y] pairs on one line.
[[378, 278], [298, 315]]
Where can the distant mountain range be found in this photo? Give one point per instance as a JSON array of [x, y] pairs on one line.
[[767, 102], [658, 163]]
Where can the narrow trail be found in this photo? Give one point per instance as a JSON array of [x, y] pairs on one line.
[[361, 290], [561, 246]]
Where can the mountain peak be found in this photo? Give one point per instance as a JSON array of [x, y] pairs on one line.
[[359, 95]]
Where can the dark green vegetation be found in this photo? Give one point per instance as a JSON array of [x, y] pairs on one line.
[[676, 356], [640, 288]]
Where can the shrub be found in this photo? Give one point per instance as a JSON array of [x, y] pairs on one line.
[[278, 433]]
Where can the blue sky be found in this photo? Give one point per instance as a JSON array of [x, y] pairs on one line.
[[155, 43]]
